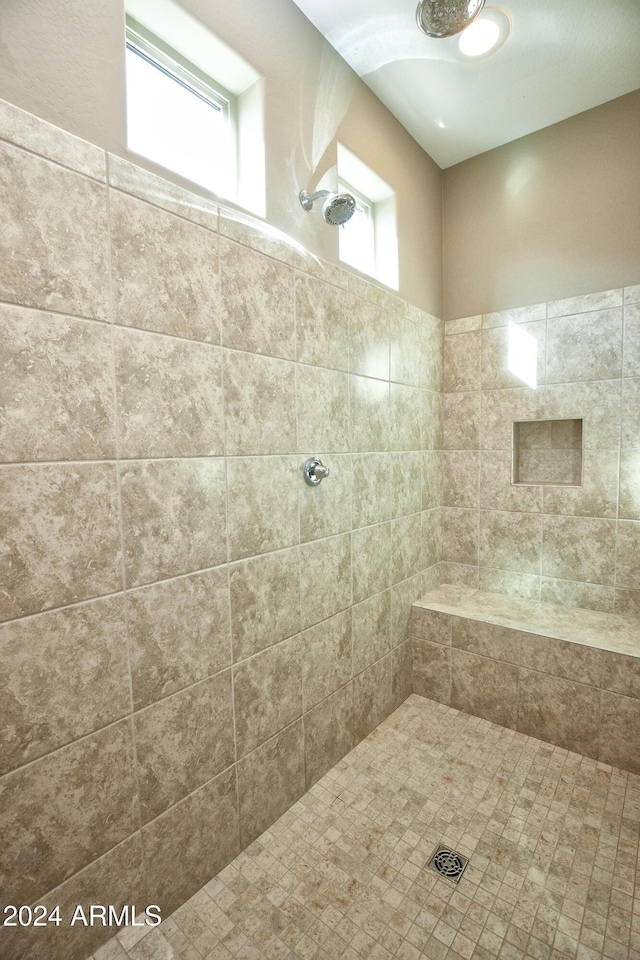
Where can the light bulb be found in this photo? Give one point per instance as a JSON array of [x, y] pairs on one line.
[[479, 37]]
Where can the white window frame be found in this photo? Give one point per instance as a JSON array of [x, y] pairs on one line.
[[160, 55]]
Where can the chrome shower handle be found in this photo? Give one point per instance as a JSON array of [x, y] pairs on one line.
[[315, 471]]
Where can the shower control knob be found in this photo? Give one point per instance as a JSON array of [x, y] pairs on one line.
[[315, 471]]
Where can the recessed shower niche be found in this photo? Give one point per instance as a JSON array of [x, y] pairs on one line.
[[547, 452]]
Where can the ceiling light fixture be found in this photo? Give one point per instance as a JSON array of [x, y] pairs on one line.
[[486, 34], [444, 18]]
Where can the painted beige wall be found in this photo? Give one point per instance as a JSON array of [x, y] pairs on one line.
[[63, 60], [554, 214]]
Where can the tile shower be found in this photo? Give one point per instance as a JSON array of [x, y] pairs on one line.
[[192, 638], [191, 635]]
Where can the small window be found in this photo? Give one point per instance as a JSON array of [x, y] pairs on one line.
[[178, 117], [369, 240]]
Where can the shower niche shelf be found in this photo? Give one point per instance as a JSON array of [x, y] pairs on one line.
[[547, 452]]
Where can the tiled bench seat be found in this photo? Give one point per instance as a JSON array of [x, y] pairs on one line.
[[562, 674]]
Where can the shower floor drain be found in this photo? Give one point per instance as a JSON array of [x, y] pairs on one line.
[[448, 863]]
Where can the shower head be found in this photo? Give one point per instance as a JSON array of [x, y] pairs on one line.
[[336, 209], [444, 18]]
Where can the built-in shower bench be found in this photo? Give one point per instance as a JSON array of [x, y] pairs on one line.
[[563, 674]]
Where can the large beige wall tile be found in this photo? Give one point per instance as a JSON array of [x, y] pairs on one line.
[[141, 183], [371, 548], [169, 397], [60, 540], [432, 351], [431, 420], [406, 483], [322, 323], [56, 388], [369, 402], [371, 488], [404, 412], [627, 603], [403, 595], [263, 504], [182, 742], [488, 639], [322, 406], [427, 624], [620, 731], [325, 653], [256, 620], [525, 586], [591, 596], [54, 249], [270, 780], [584, 304], [164, 271], [460, 536], [325, 578], [256, 301], [579, 548], [500, 408], [628, 555], [630, 433], [62, 675], [432, 479], [401, 673], [407, 548], [597, 403], [117, 878], [372, 697], [497, 492], [431, 670], [406, 352], [461, 421], [560, 711], [629, 506], [621, 674], [462, 362], [571, 661], [191, 842], [461, 478], [497, 345], [65, 810], [179, 634], [369, 340], [598, 495], [526, 314], [173, 517], [511, 541], [485, 688], [371, 630], [325, 509], [259, 405], [585, 347], [631, 365], [267, 691], [328, 733]]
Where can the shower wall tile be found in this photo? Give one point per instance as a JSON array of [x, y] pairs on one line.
[[259, 405], [54, 251], [510, 540], [257, 302], [432, 670], [270, 780], [460, 537], [325, 652], [46, 558], [267, 691], [579, 548], [164, 271], [179, 633], [328, 733], [371, 630], [598, 495], [191, 842], [182, 742], [630, 485], [65, 810], [322, 406], [486, 688], [496, 345], [256, 621], [463, 362], [584, 304], [620, 731], [497, 492], [630, 432], [561, 711], [628, 556], [62, 675], [631, 365], [585, 347], [187, 548], [322, 323], [369, 414], [56, 388], [598, 403], [262, 500], [461, 421], [525, 586], [169, 396], [632, 294], [461, 478], [591, 596], [537, 311], [173, 518], [325, 578], [369, 340]]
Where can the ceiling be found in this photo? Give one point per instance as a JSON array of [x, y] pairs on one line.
[[562, 57]]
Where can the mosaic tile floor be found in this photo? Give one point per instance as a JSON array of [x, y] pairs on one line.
[[552, 839]]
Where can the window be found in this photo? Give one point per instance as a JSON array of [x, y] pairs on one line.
[[194, 105], [178, 119], [369, 240]]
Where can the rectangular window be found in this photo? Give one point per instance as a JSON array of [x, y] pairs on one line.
[[177, 117], [357, 244]]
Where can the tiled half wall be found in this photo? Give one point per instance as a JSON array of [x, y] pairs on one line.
[[191, 636], [577, 545]]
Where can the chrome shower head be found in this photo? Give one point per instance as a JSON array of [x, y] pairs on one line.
[[444, 18], [336, 209]]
